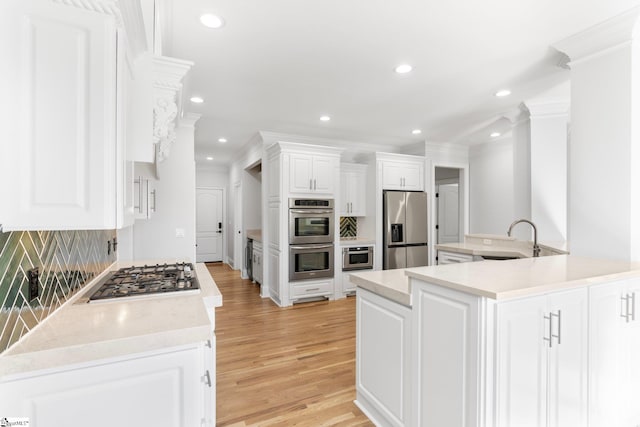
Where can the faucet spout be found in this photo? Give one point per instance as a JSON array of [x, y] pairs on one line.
[[536, 248]]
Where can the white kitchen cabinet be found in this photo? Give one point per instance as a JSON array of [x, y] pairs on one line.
[[542, 348], [311, 289], [69, 158], [145, 198], [383, 359], [173, 387], [257, 261], [614, 351], [405, 175], [311, 173], [478, 361], [445, 257], [353, 190]]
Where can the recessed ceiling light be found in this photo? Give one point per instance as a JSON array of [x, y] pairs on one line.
[[196, 100], [325, 118], [211, 21], [222, 140], [403, 68], [209, 158], [495, 134], [416, 131], [502, 93]]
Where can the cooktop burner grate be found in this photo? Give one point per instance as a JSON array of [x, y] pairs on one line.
[[147, 280]]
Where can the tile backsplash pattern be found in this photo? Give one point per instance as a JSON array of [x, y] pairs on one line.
[[348, 226], [66, 261]]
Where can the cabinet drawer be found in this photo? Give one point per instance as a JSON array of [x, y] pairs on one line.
[[453, 258], [302, 290]]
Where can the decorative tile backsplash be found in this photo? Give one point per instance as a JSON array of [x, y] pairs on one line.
[[66, 261], [348, 226]]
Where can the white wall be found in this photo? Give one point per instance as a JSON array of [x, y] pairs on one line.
[[491, 187], [212, 176], [155, 238]]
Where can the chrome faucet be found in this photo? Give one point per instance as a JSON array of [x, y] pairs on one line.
[[536, 248]]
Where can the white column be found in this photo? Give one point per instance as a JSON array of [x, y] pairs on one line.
[[548, 151], [604, 156]]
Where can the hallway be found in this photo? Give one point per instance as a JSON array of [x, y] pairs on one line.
[[283, 367]]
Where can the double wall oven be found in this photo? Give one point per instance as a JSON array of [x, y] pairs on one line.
[[311, 226]]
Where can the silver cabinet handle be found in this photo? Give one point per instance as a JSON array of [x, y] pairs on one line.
[[624, 307], [207, 378], [559, 316], [550, 330], [208, 343], [310, 184], [633, 306], [312, 289], [140, 194], [154, 201], [314, 183]]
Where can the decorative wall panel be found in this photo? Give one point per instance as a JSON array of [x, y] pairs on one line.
[[66, 261], [348, 227]]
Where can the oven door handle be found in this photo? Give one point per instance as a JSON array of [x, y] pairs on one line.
[[311, 211], [311, 248]]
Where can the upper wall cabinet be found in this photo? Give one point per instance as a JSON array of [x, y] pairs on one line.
[[353, 189], [401, 172], [312, 173], [69, 158]]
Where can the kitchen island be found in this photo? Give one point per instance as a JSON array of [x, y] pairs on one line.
[[149, 361], [526, 342]]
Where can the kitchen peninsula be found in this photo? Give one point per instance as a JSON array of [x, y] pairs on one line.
[[527, 342], [149, 360]]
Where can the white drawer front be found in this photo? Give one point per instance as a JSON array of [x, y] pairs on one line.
[[311, 289]]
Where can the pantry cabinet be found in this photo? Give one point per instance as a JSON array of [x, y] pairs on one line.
[[353, 189], [68, 157], [257, 261]]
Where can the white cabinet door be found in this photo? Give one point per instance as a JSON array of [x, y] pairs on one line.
[[521, 373], [383, 359], [542, 354], [257, 265], [632, 362], [353, 188], [163, 390], [402, 175], [345, 193], [567, 389], [607, 358], [209, 387], [300, 173], [323, 174]]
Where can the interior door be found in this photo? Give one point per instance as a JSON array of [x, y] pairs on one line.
[[448, 213], [209, 231]]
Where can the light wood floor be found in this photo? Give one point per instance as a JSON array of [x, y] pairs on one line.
[[283, 366]]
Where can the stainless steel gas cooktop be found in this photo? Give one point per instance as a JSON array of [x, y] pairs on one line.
[[147, 280]]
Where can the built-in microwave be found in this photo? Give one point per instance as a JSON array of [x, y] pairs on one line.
[[310, 261], [311, 221], [357, 258]]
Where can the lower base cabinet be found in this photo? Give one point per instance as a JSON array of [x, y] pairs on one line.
[[383, 359], [174, 387]]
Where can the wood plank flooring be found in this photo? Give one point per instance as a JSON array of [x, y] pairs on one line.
[[283, 366]]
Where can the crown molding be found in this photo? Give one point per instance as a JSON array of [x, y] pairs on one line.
[[189, 119], [169, 72], [610, 34], [547, 109]]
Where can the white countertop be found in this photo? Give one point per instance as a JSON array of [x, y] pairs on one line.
[[358, 241], [500, 246], [525, 276], [500, 279], [391, 284], [81, 332], [255, 235]]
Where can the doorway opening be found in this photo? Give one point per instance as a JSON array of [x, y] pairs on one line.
[[449, 218]]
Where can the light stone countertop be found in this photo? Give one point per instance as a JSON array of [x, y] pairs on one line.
[[526, 276], [358, 241], [391, 284], [500, 246], [79, 332], [255, 235], [500, 280]]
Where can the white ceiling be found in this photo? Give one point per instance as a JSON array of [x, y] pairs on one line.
[[278, 65]]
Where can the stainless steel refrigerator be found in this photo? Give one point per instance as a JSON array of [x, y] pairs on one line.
[[405, 229]]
